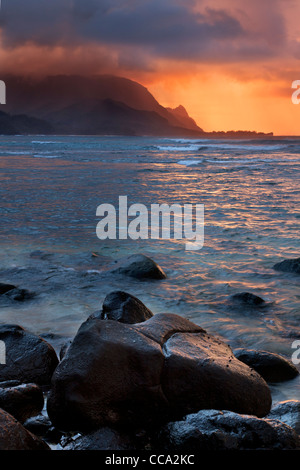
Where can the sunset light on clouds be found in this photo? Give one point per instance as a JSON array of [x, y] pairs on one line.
[[231, 63]]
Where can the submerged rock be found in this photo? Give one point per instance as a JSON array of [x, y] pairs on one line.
[[5, 288], [165, 367], [29, 358], [272, 367], [124, 308], [288, 266], [247, 298], [288, 412], [22, 401], [19, 295], [13, 436], [214, 430], [139, 266]]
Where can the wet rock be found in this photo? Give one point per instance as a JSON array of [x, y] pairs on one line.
[[38, 425], [108, 374], [124, 308], [212, 430], [114, 373], [29, 358], [19, 295], [288, 266], [41, 426], [272, 367], [101, 439], [5, 288], [13, 436], [288, 412], [22, 401], [139, 266], [246, 298]]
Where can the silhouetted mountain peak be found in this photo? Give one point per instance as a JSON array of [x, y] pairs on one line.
[[69, 104]]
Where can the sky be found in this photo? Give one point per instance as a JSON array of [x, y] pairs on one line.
[[230, 63]]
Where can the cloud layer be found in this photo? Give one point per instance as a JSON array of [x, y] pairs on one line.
[[162, 29]]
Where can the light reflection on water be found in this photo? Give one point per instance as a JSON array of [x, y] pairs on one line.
[[251, 195]]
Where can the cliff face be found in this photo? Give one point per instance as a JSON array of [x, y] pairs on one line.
[[95, 105]]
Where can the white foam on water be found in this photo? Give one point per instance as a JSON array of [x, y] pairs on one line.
[[189, 162], [44, 142], [189, 148]]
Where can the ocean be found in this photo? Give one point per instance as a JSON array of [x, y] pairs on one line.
[[51, 187]]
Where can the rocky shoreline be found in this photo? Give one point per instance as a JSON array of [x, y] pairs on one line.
[[131, 380]]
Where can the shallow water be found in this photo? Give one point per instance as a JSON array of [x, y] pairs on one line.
[[50, 189]]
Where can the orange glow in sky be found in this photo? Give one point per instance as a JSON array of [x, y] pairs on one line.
[[230, 63]]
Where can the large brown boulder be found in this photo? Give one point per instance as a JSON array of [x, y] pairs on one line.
[[13, 436], [163, 368]]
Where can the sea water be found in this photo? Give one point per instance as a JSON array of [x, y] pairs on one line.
[[51, 187]]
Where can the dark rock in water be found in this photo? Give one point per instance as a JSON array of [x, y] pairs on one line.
[[272, 367], [29, 358], [38, 425], [19, 294], [13, 436], [165, 367], [5, 288], [212, 430], [139, 266], [102, 439], [22, 401], [248, 299], [288, 412], [288, 266], [124, 308], [41, 426]]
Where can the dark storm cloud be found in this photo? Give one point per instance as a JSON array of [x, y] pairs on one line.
[[163, 28]]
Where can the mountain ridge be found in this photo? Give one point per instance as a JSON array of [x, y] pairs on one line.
[[99, 104]]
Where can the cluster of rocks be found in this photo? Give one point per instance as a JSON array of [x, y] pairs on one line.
[[133, 380]]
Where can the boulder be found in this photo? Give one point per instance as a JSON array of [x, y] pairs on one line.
[[139, 266], [29, 358], [13, 436], [108, 375], [288, 412], [22, 401], [213, 430], [272, 367], [114, 373], [124, 308], [288, 266]]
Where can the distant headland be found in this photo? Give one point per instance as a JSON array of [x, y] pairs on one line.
[[97, 105]]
